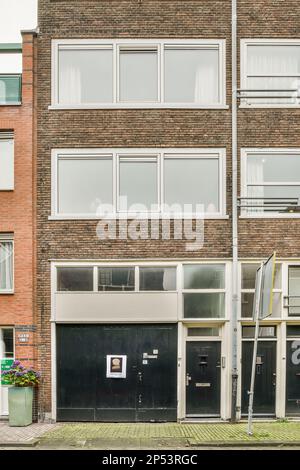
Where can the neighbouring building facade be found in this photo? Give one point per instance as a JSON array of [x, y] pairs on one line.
[[17, 207], [134, 106]]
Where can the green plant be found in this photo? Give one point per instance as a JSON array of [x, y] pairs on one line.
[[20, 376]]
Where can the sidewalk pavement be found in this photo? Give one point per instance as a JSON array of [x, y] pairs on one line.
[[150, 435], [26, 436]]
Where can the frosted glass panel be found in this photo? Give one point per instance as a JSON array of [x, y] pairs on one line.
[[138, 183], [6, 265], [85, 76], [204, 305], [191, 75], [83, 185], [6, 164], [204, 276], [138, 75], [192, 181]]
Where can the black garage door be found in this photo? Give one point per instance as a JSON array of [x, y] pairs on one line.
[[149, 390]]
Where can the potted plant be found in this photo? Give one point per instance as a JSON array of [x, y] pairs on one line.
[[20, 393]]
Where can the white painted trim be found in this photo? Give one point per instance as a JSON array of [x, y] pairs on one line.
[[243, 69], [161, 44], [53, 371], [115, 154]]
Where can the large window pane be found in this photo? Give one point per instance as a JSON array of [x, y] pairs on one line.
[[271, 196], [85, 76], [273, 83], [6, 343], [6, 265], [191, 75], [138, 75], [160, 279], [204, 276], [249, 275], [247, 305], [10, 88], [273, 59], [74, 279], [116, 279], [6, 164], [192, 181], [294, 290], [204, 305], [271, 168], [84, 185], [138, 183]]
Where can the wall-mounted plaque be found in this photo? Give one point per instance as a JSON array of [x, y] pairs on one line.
[[116, 366]]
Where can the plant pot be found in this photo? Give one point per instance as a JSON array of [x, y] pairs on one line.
[[20, 406]]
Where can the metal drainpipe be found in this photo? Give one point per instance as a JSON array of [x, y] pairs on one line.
[[234, 313]]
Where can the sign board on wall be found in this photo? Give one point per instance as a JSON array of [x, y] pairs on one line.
[[5, 365], [116, 366]]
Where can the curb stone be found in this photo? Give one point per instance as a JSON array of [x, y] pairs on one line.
[[195, 443], [29, 443]]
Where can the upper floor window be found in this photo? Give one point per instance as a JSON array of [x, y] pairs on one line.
[[10, 77], [6, 161], [134, 73], [6, 263], [270, 181], [87, 183], [271, 69], [294, 291]]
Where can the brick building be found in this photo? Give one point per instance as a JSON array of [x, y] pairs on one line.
[[17, 208], [135, 103]]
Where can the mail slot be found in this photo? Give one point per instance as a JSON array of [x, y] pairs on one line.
[[203, 384]]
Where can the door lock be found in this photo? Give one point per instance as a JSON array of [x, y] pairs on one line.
[[140, 376], [188, 378]]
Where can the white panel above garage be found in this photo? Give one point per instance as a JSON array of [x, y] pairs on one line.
[[115, 307]]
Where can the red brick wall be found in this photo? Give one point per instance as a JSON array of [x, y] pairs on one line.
[[17, 212]]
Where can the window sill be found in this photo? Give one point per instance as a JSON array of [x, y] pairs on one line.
[[17, 103], [138, 106], [271, 216], [132, 216], [8, 292], [269, 106]]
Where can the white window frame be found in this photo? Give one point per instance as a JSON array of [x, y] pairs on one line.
[[9, 238], [115, 45], [245, 103], [225, 291], [245, 152], [9, 136], [8, 327], [141, 153]]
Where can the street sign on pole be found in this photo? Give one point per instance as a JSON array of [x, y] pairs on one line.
[[262, 308]]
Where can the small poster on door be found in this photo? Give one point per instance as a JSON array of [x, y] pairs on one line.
[[116, 366]]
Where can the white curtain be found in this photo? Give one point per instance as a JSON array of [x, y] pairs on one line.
[[272, 60], [255, 175], [206, 84], [6, 265], [168, 279], [70, 85]]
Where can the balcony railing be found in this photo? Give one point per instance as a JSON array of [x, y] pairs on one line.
[[261, 205], [292, 302], [10, 89]]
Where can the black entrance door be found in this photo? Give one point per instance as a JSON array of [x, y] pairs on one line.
[[265, 378], [149, 390], [293, 377], [203, 378]]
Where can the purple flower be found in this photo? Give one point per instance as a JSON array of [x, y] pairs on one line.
[[16, 363]]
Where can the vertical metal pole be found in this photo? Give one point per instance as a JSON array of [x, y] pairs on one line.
[[235, 287], [255, 345]]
